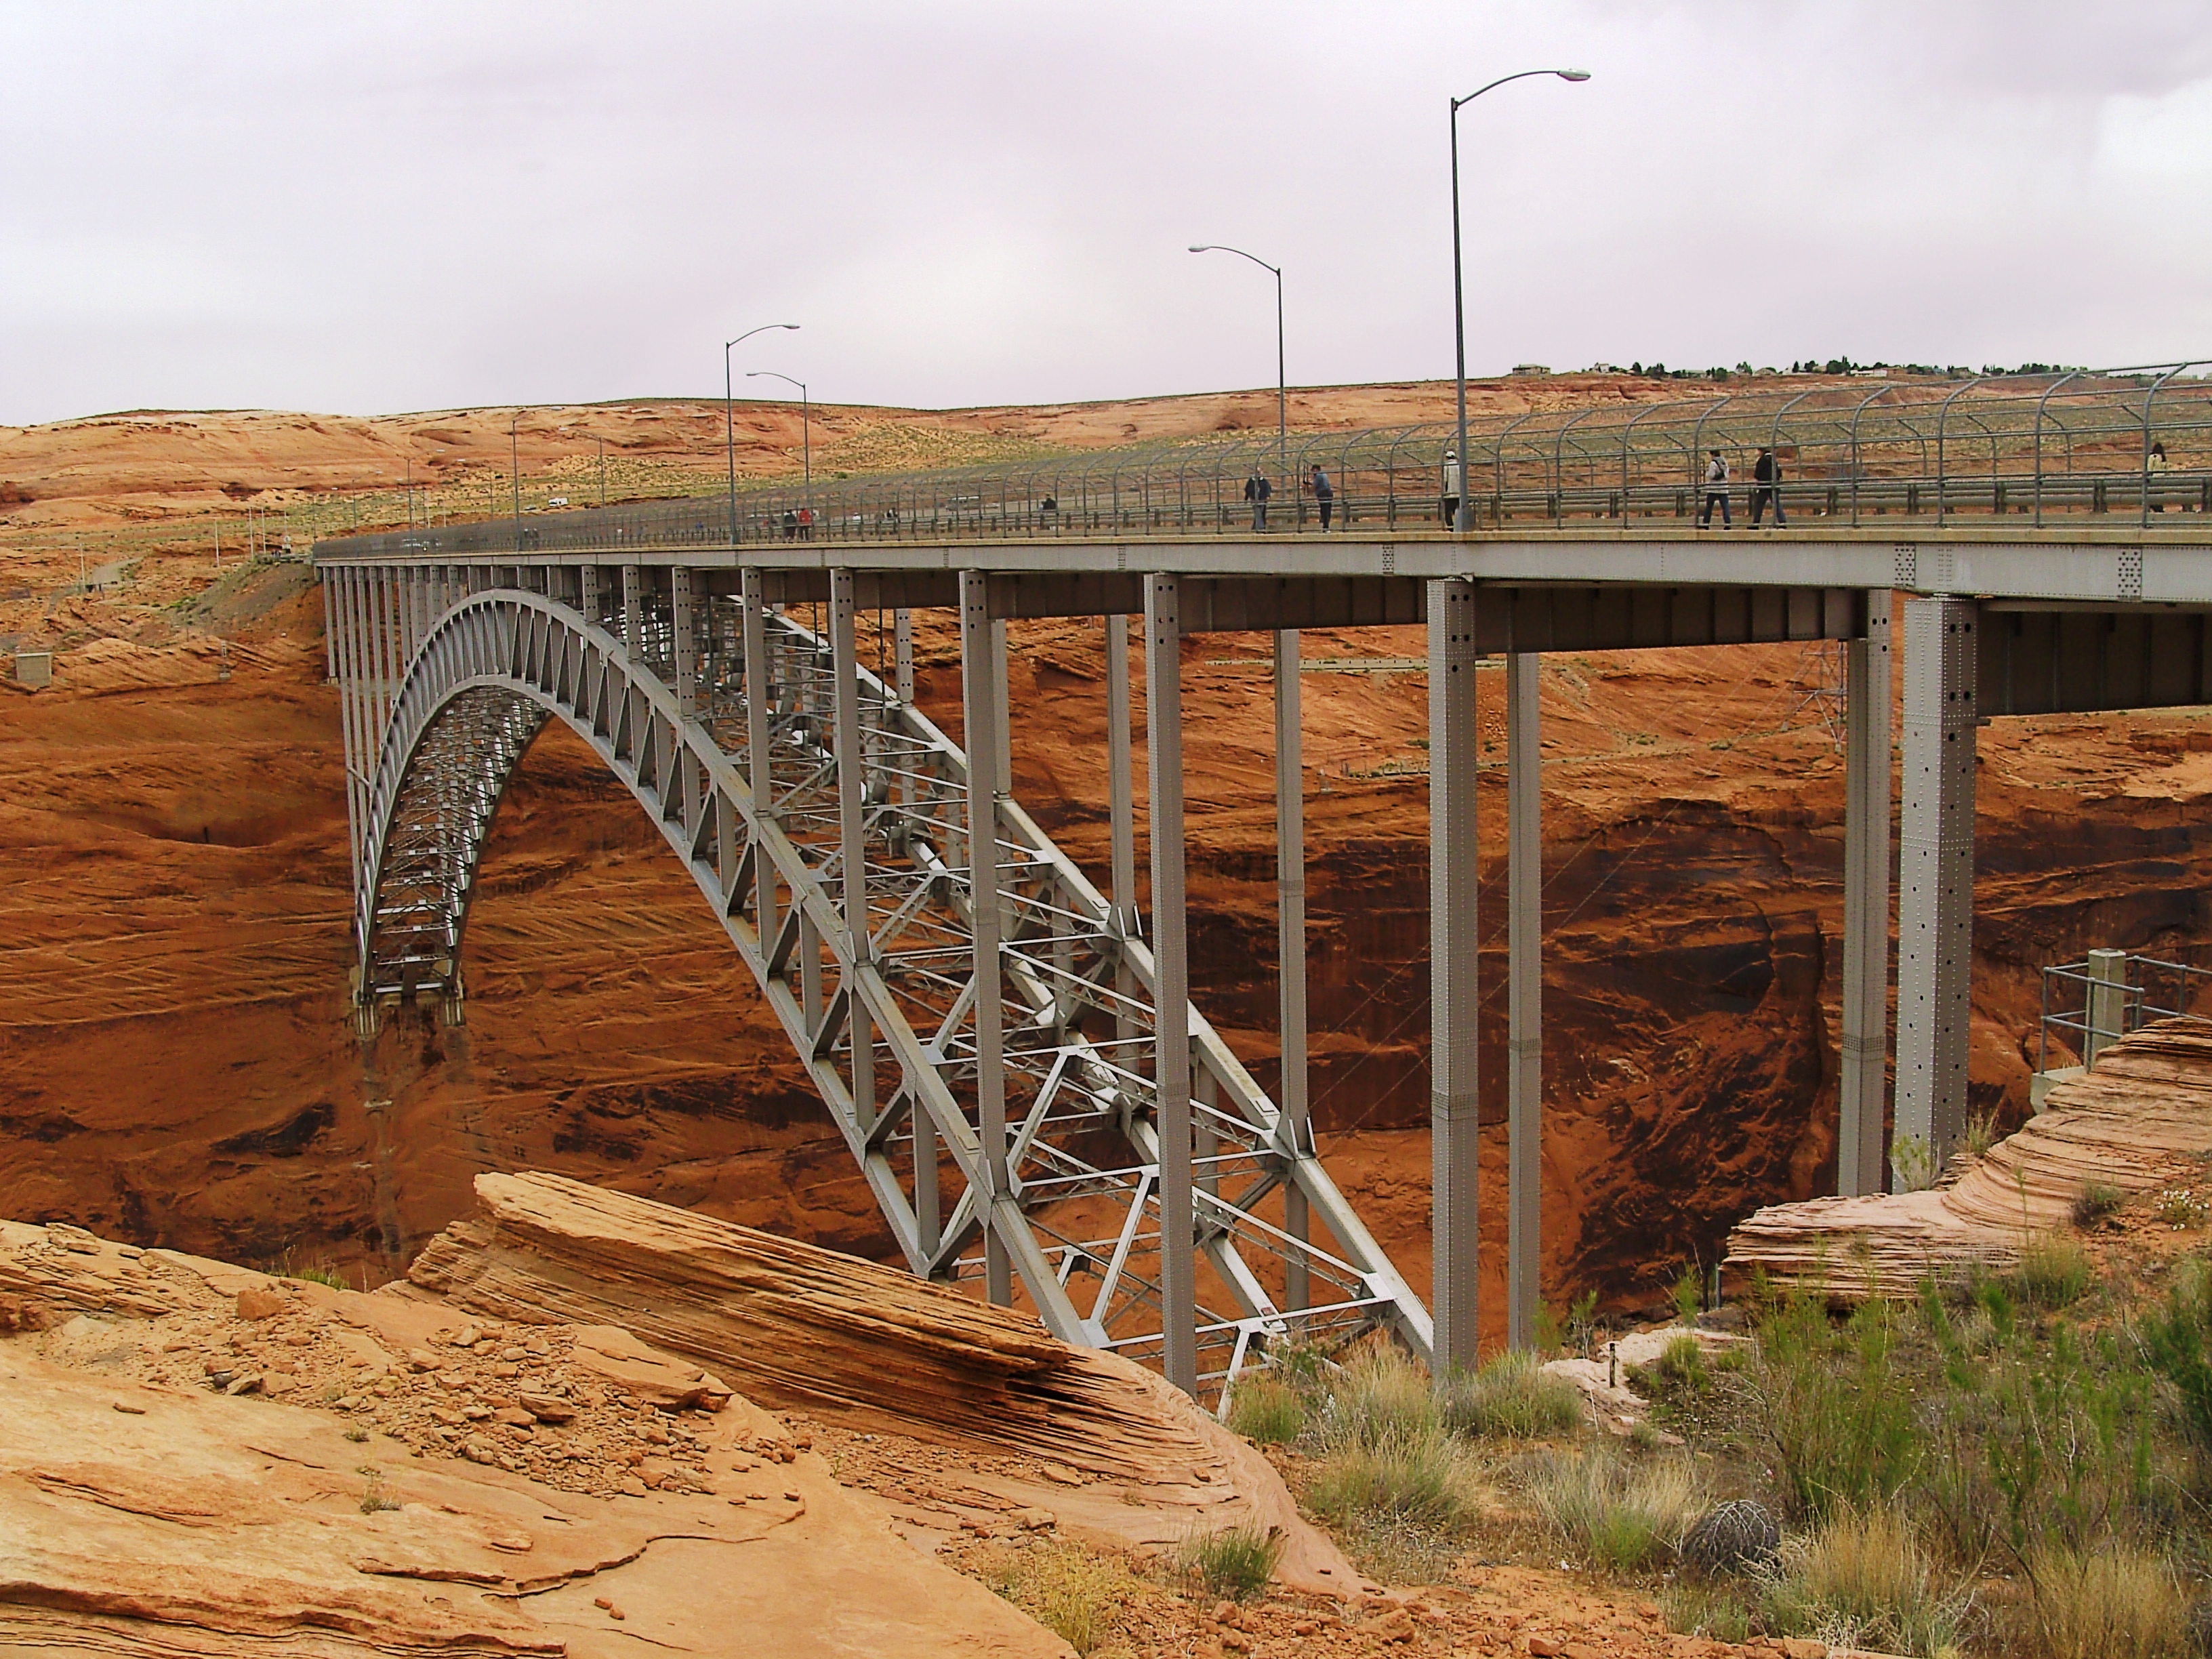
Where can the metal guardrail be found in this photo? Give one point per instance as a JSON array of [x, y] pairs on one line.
[[2130, 444], [2107, 995]]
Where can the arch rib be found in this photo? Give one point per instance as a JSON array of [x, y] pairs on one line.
[[1081, 1196]]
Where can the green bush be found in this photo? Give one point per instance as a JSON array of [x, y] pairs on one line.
[[1832, 1407], [1625, 1516], [2175, 1344], [1268, 1410], [2054, 1272], [1235, 1564], [1512, 1398]]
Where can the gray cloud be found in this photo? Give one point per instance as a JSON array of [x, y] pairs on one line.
[[374, 207]]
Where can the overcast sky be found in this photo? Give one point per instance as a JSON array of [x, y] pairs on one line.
[[369, 208]]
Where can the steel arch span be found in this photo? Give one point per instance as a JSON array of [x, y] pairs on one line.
[[842, 870]]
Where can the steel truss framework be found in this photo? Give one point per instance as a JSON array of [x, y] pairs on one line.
[[861, 810]]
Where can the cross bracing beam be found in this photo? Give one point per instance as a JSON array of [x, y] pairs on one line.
[[772, 849]]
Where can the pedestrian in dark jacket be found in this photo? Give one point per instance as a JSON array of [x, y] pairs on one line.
[[1324, 494], [1766, 488], [1257, 490]]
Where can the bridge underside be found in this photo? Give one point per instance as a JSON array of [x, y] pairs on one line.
[[1031, 1096]]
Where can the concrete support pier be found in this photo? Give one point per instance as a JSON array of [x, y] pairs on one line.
[[852, 837], [1935, 882], [1524, 984], [1864, 1080], [1454, 1121], [1171, 978]]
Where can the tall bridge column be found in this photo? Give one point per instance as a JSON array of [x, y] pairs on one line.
[[1863, 1082], [1170, 977], [633, 617], [1936, 898], [1121, 815], [1291, 944], [1524, 987], [980, 702], [1455, 1124], [852, 837]]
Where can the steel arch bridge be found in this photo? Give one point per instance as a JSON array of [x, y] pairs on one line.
[[1012, 1137]]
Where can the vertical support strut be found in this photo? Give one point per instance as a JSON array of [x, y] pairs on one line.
[[633, 617], [980, 693], [752, 626], [851, 839], [1455, 1124], [591, 593], [1002, 722], [1121, 812], [683, 643], [903, 655], [1863, 1076], [1170, 977], [1291, 946], [1936, 882], [1524, 983]]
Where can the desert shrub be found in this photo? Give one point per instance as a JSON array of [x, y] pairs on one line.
[[2100, 1602], [1730, 1538], [1688, 1294], [1513, 1398], [1388, 1464], [1235, 1564], [1625, 1516], [2179, 1207], [1416, 1482], [1831, 1407], [1071, 1593], [1678, 1373], [2053, 1271], [1981, 1135], [2099, 1199], [1267, 1409], [2174, 1343], [1860, 1579], [1381, 1400], [1912, 1164]]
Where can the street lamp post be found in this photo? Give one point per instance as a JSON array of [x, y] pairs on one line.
[[514, 472], [730, 416], [1463, 517], [805, 425], [1282, 393]]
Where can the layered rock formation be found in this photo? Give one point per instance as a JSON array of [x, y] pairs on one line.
[[2141, 1118]]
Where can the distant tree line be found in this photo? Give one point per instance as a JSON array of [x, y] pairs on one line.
[[1843, 366]]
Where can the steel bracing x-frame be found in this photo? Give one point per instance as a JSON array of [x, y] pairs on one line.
[[844, 869]]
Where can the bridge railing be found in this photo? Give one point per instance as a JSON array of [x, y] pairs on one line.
[[2119, 445]]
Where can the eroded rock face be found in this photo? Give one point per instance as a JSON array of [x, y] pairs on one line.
[[1091, 1437], [349, 1475]]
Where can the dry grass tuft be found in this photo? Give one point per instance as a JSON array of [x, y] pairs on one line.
[[2103, 1602], [1625, 1516], [1862, 1580]]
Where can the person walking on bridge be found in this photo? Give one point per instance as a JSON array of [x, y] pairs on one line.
[[1455, 477], [1257, 490], [1767, 488], [1324, 494], [1716, 491]]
